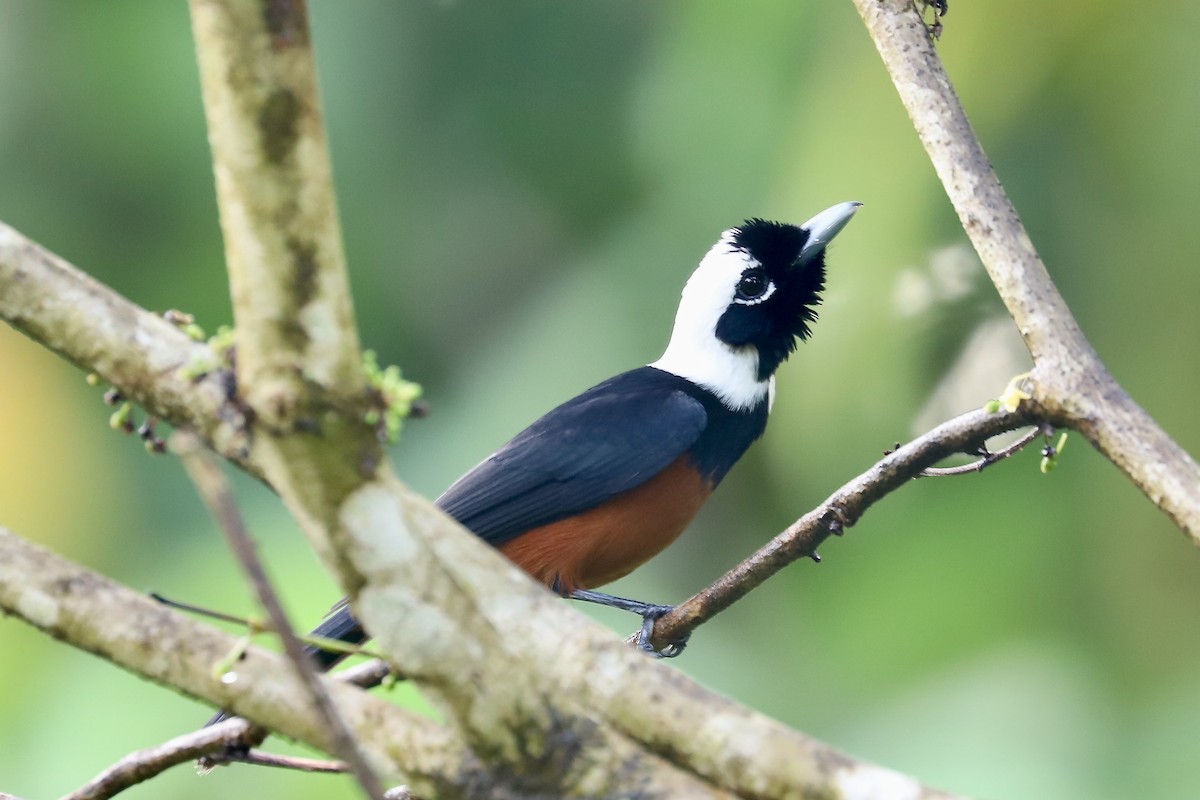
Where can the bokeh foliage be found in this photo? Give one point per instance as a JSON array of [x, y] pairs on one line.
[[524, 187]]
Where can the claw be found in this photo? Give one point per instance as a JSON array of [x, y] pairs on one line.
[[651, 615]]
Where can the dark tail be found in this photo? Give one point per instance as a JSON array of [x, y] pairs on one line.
[[338, 624]]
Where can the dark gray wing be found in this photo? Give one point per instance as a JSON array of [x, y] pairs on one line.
[[607, 440]]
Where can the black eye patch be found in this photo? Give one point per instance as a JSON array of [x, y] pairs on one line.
[[742, 325]]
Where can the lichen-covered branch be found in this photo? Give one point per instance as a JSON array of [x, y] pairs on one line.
[[1070, 383], [283, 245], [149, 359], [551, 673], [95, 614], [298, 362]]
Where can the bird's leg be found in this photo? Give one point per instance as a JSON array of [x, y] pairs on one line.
[[649, 612], [636, 606]]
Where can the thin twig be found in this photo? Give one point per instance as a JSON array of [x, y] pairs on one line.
[[989, 459], [297, 763], [366, 675], [254, 626], [251, 625], [214, 489]]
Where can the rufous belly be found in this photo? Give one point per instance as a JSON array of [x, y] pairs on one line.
[[611, 540]]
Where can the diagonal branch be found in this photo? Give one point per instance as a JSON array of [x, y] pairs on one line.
[[1070, 383], [95, 614], [147, 763], [142, 765], [98, 330], [841, 510]]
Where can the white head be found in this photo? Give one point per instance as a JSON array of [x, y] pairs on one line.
[[753, 295]]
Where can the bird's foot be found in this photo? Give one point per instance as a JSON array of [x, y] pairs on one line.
[[939, 8], [649, 612], [649, 616]]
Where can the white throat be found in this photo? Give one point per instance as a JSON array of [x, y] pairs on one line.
[[695, 352], [731, 376]]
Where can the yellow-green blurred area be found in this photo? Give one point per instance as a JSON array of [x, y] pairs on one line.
[[524, 187]]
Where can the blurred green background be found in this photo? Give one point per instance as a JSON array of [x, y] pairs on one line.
[[524, 188]]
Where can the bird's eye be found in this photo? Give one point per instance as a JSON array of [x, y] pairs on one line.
[[753, 285]]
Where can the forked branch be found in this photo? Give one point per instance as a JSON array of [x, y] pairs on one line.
[[1070, 384]]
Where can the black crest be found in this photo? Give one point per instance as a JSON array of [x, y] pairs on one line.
[[774, 325], [772, 244]]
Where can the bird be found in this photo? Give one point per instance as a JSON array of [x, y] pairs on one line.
[[605, 481]]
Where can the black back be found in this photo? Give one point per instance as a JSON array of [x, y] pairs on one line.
[[607, 440]]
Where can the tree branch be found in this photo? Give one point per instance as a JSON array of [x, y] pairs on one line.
[[95, 614], [839, 511], [1070, 383], [283, 247], [143, 765], [258, 758], [550, 671], [98, 330], [299, 367]]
